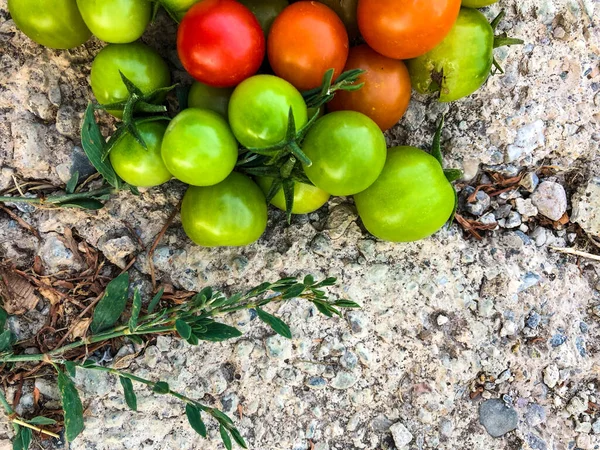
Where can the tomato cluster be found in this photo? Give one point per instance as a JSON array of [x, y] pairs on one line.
[[284, 107]]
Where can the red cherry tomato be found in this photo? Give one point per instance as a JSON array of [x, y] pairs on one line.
[[220, 42], [403, 29], [306, 40]]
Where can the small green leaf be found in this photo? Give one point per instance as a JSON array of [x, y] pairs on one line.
[[323, 309], [3, 318], [70, 368], [184, 330], [131, 87], [89, 363], [436, 148], [41, 420], [83, 203], [288, 193], [327, 282], [237, 437], [346, 304], [293, 291], [260, 289], [7, 339], [17, 443], [161, 388], [135, 310], [72, 407], [217, 332], [130, 397], [154, 302], [193, 416], [221, 416], [112, 305], [225, 437], [309, 280], [72, 183], [25, 438], [278, 325], [193, 339], [93, 144], [453, 174]]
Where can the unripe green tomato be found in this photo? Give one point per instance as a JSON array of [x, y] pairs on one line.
[[116, 21], [51, 23], [462, 61], [142, 65], [265, 11], [199, 147], [410, 200], [178, 7], [477, 3], [208, 97], [139, 166], [230, 213], [307, 198]]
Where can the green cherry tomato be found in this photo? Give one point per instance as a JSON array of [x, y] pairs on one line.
[[208, 97], [139, 166], [231, 213], [116, 21], [461, 63], [307, 198], [139, 63], [410, 200], [259, 110], [347, 150], [51, 23], [199, 148], [265, 11], [477, 3], [178, 8]]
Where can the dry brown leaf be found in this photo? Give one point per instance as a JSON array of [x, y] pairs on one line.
[[80, 330], [71, 244], [125, 361], [38, 268], [36, 396], [49, 295], [17, 292]]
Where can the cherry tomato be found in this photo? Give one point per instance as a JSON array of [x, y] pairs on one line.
[[403, 29], [305, 41], [138, 62], [231, 213], [462, 61], [139, 166], [51, 23], [259, 110], [386, 93], [199, 148], [178, 8], [220, 42], [410, 200], [477, 3], [347, 150], [116, 21], [307, 198], [346, 10], [207, 97], [265, 11]]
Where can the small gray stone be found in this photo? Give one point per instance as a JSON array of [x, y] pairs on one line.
[[497, 417], [230, 402], [526, 207], [551, 376], [513, 220], [316, 383], [339, 219], [321, 245], [47, 388], [550, 199], [586, 207], [502, 211], [533, 320], [539, 235], [529, 137], [344, 380], [446, 427], [381, 424], [488, 219], [278, 347], [529, 280], [442, 320], [535, 415], [479, 205], [530, 181], [56, 256], [507, 170], [536, 442], [596, 427], [402, 437], [578, 404], [349, 360], [558, 339], [117, 249]]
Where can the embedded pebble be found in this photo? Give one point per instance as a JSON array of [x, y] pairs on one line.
[[402, 437], [497, 418], [529, 181], [526, 208], [344, 380], [550, 199], [551, 376]]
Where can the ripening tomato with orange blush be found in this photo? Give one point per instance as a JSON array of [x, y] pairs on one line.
[[386, 92]]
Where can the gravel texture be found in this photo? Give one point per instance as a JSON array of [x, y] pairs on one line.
[[449, 325]]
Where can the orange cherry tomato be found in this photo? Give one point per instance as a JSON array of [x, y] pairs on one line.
[[305, 41], [386, 93], [403, 29]]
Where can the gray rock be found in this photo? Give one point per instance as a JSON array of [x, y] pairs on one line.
[[596, 427], [497, 417], [344, 380], [56, 256], [558, 339], [321, 245], [530, 181], [402, 437], [316, 383], [551, 376], [539, 235], [339, 219], [479, 205], [526, 207], [381, 424], [278, 347], [529, 280], [535, 415], [586, 207], [446, 427], [578, 404], [48, 389], [502, 211], [349, 360], [513, 220], [536, 442], [117, 249], [507, 170], [550, 199], [529, 137], [488, 219]]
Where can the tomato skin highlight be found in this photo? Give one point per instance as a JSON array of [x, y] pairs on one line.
[[198, 147], [220, 42], [230, 213], [139, 63], [208, 97], [116, 21], [305, 41], [346, 10], [51, 23], [464, 59], [410, 200], [386, 93], [347, 150], [307, 198], [259, 110], [403, 29], [139, 166]]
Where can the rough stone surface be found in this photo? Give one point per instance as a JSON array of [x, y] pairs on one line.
[[402, 437], [586, 207], [542, 112], [497, 417], [550, 199]]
